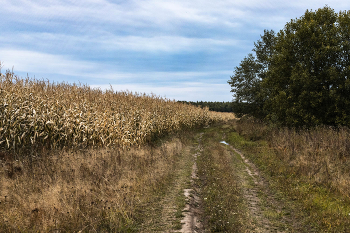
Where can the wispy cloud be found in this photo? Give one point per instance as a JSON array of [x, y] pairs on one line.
[[190, 91], [166, 43], [162, 46], [154, 13], [24, 60], [153, 44]]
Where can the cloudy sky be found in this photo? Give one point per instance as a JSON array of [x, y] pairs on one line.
[[178, 49]]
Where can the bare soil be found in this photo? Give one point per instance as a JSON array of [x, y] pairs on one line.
[[192, 212]]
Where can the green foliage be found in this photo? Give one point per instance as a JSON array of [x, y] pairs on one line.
[[309, 78], [300, 76], [246, 81], [213, 106]]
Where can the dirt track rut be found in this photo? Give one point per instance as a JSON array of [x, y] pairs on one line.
[[260, 201], [192, 212]]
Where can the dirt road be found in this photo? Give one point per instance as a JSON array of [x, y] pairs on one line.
[[196, 201]]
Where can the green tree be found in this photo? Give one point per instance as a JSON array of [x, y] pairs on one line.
[[307, 80], [249, 96], [299, 77]]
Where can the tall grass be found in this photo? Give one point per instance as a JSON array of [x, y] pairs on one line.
[[321, 155], [95, 190]]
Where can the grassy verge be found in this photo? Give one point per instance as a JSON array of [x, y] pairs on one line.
[[92, 190], [224, 210], [315, 206]]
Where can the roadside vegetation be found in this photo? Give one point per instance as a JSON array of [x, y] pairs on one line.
[[96, 190], [308, 169]]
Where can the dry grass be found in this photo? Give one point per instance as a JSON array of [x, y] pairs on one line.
[[322, 154], [308, 169], [222, 116], [252, 128], [91, 190]]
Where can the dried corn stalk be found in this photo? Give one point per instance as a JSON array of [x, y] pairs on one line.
[[37, 114]]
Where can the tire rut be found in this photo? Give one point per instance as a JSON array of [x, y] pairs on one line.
[[191, 221], [163, 215], [254, 186]]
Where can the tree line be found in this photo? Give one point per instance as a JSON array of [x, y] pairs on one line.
[[300, 75], [213, 106]]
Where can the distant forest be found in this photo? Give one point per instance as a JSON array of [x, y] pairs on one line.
[[213, 106]]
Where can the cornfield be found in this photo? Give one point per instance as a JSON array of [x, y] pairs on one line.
[[40, 114]]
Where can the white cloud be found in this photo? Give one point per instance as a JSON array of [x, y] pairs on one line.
[[166, 43], [158, 43], [112, 42], [30, 61], [136, 13], [189, 91], [159, 77], [172, 85]]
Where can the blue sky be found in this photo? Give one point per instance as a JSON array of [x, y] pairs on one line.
[[178, 49]]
